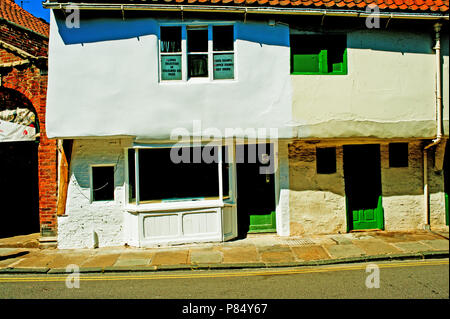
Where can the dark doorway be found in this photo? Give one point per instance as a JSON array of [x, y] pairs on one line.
[[19, 195], [255, 190], [362, 173]]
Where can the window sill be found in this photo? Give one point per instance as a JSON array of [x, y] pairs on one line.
[[165, 206], [196, 81]]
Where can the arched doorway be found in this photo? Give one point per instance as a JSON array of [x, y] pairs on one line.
[[19, 193]]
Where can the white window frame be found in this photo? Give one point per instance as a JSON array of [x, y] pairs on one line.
[[187, 203], [91, 181], [184, 53]]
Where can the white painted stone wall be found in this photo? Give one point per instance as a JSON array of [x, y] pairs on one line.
[[282, 190], [84, 218]]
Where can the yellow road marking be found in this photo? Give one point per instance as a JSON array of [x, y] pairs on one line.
[[241, 273]]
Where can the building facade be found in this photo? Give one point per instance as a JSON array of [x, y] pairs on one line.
[[28, 179], [206, 121]]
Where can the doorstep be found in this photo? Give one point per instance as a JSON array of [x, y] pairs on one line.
[[48, 242]]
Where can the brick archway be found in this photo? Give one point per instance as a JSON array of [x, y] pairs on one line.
[[28, 89], [19, 161]]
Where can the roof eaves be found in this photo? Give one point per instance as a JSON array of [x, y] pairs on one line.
[[248, 9], [23, 28]]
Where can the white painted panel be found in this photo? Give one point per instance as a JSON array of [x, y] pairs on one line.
[[160, 225], [200, 223]]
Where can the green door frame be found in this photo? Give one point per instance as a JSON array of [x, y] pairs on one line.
[[258, 223]]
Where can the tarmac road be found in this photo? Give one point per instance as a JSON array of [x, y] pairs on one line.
[[400, 279]]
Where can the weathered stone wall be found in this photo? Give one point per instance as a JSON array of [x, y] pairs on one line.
[[317, 201], [402, 189]]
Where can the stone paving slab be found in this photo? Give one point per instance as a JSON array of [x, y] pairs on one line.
[[128, 262], [101, 260], [276, 253], [376, 247], [239, 254], [412, 247], [205, 256], [310, 253], [341, 240], [343, 251], [63, 260], [437, 244], [395, 237], [34, 261], [179, 257]]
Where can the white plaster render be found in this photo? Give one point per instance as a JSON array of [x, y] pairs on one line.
[[389, 90], [105, 87], [83, 218]]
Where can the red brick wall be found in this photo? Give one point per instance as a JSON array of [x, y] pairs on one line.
[[7, 57], [29, 80]]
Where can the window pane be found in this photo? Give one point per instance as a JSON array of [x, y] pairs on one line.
[[198, 65], [197, 40], [103, 183], [326, 160], [336, 46], [398, 155], [223, 66], [161, 178], [223, 38], [305, 51], [170, 39], [171, 67], [225, 172]]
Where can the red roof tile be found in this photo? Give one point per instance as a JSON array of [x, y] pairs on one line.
[[12, 12]]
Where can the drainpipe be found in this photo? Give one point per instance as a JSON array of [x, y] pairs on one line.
[[437, 140]]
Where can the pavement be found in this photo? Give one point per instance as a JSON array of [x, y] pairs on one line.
[[255, 251]]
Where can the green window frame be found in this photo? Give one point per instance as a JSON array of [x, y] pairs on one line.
[[318, 54]]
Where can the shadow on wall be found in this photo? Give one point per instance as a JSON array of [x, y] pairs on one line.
[[99, 30], [93, 29], [386, 40]]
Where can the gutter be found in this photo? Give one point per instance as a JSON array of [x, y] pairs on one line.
[[243, 10], [438, 139]]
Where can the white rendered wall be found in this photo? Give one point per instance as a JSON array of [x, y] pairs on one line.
[[389, 90], [101, 86]]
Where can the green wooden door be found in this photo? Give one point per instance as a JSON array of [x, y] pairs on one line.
[[255, 194], [362, 175]]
